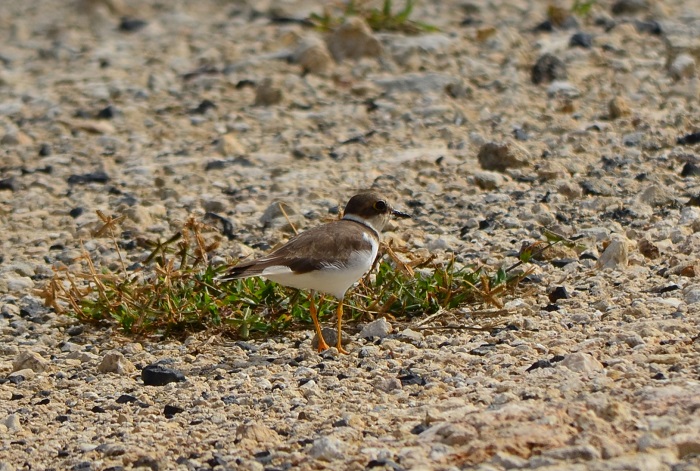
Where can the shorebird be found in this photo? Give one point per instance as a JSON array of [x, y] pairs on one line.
[[329, 258]]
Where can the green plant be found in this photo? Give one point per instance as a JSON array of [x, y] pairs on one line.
[[379, 19], [175, 291], [582, 7]]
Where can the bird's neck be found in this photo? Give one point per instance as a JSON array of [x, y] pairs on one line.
[[363, 221]]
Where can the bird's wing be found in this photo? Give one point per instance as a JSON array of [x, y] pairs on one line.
[[301, 253]]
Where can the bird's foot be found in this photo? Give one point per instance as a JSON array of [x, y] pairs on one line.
[[342, 350], [322, 345]]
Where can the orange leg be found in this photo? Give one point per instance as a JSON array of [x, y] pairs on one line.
[[339, 313], [322, 345]]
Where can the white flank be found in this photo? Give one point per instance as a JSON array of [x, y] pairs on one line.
[[334, 278], [276, 270]]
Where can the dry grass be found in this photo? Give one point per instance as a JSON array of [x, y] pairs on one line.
[[174, 290]]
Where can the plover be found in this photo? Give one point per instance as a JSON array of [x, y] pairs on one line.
[[329, 258]]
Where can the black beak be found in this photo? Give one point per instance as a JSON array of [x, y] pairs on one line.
[[399, 214]]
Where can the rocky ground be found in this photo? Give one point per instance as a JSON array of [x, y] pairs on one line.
[[487, 131]]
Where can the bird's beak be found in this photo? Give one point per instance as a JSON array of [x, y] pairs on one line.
[[399, 214]]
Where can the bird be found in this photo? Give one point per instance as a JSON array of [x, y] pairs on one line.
[[329, 258]]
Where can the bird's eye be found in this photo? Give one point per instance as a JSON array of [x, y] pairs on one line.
[[380, 206]]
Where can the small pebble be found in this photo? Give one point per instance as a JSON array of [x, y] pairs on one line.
[[157, 374]]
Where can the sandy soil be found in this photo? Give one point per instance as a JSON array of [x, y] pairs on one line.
[[487, 131]]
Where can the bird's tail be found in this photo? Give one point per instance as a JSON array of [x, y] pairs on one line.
[[242, 270]]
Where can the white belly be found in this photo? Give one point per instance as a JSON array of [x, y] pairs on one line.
[[332, 279]]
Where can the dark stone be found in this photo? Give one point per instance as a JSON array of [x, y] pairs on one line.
[[106, 113], [129, 25], [228, 400], [690, 170], [92, 177], [303, 381], [75, 330], [82, 466], [562, 262], [408, 378], [418, 429], [216, 165], [485, 224], [547, 69], [551, 308], [16, 397], [75, 212], [482, 349], [583, 40], [203, 107], [62, 418], [9, 184], [694, 200], [341, 423], [689, 139], [44, 150], [33, 309], [245, 83], [520, 134], [546, 26], [540, 364], [667, 289], [16, 379], [596, 187], [147, 462], [216, 461], [128, 199], [385, 464], [558, 293], [226, 225], [157, 374], [629, 7], [557, 358], [43, 402], [659, 376], [83, 114], [261, 455], [98, 410], [125, 399], [170, 411], [648, 27]]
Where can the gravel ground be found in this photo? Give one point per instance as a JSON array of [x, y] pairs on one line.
[[487, 131]]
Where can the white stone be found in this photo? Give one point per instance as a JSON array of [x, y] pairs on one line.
[[32, 361], [683, 67], [582, 363], [692, 294], [615, 255], [114, 362], [327, 449], [12, 423]]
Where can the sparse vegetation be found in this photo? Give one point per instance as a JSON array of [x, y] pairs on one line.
[[174, 290], [379, 19], [582, 7], [561, 16]]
